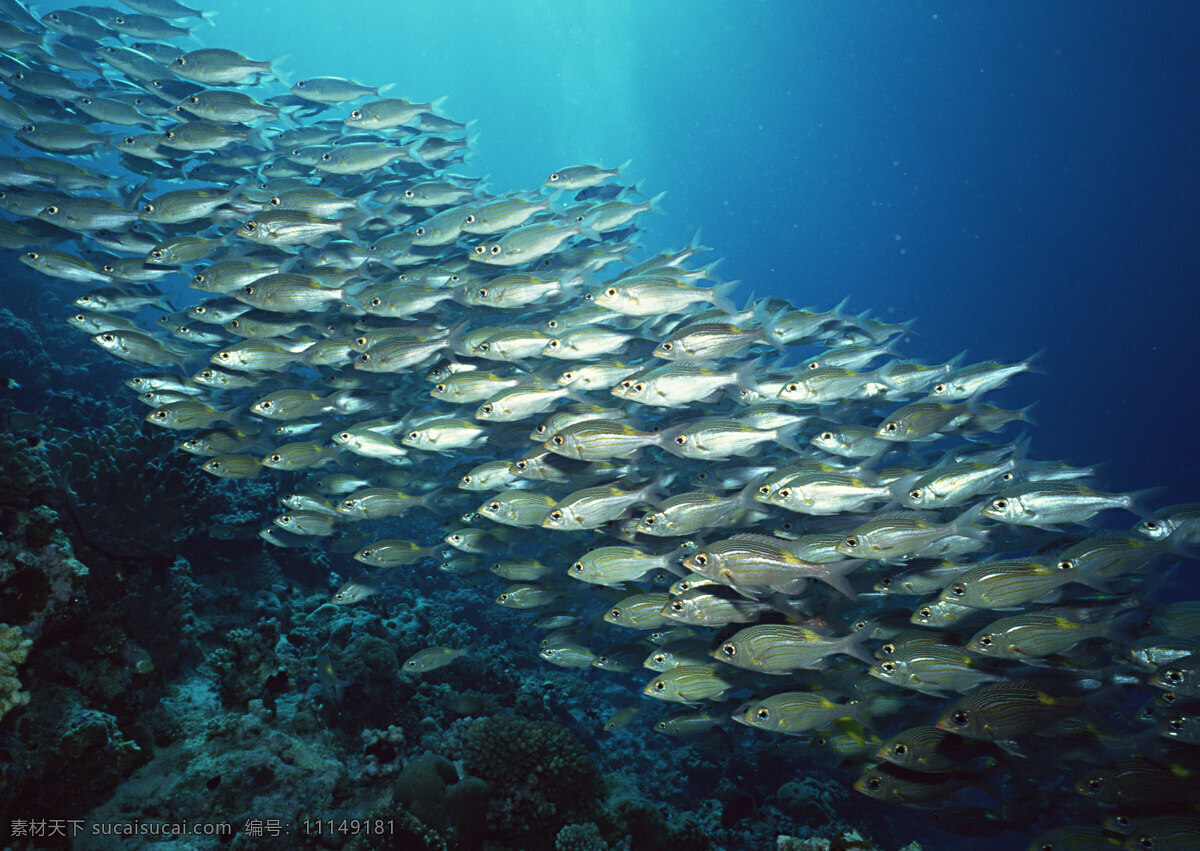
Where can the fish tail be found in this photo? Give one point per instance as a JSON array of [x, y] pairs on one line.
[[721, 297]]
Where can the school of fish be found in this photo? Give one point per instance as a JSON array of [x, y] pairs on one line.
[[760, 514]]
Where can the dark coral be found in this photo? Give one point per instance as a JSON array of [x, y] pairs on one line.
[[130, 494], [540, 774]]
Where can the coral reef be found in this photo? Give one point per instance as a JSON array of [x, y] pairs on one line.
[[14, 650], [129, 494], [541, 777]]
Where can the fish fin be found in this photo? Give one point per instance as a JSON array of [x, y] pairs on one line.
[[721, 297], [835, 576], [282, 76], [855, 645], [786, 437]]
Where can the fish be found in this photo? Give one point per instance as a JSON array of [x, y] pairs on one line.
[[430, 659], [354, 591]]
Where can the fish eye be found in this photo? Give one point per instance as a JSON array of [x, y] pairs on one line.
[[958, 589], [554, 176], [1149, 525], [577, 567], [156, 254], [356, 114], [700, 559], [276, 201], [999, 504], [470, 219], [480, 249], [1176, 724], [33, 255], [961, 718], [521, 464], [558, 440], [1173, 676], [659, 685], [214, 464], [611, 292], [615, 614], [851, 542], [558, 515], [29, 128], [729, 649], [483, 347], [680, 439], [326, 157], [899, 749], [159, 415], [873, 783], [52, 210], [827, 436], [985, 641], [496, 249], [345, 435], [250, 227], [925, 613], [128, 140], [762, 714], [235, 323], [914, 494], [889, 667], [108, 338], [1095, 784], [1066, 564], [648, 520], [1007, 477], [888, 649], [224, 355], [169, 134], [248, 289], [639, 387], [792, 387], [487, 408], [785, 493], [413, 435], [276, 457], [939, 388], [891, 428]]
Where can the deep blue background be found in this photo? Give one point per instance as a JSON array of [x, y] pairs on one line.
[[1018, 175]]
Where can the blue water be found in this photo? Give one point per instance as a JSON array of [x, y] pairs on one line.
[[1018, 176]]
